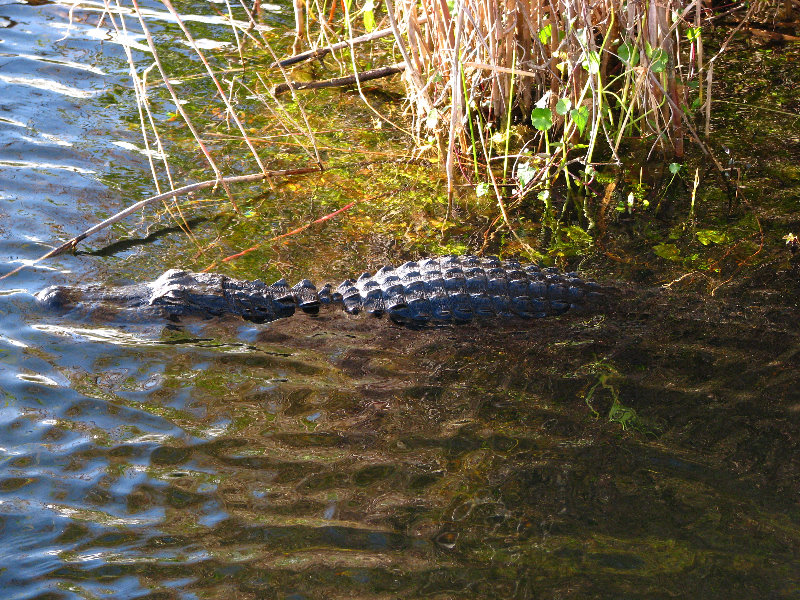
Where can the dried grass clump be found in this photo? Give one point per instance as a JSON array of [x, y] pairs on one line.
[[579, 71]]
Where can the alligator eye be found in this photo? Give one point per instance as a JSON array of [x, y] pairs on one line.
[[54, 298]]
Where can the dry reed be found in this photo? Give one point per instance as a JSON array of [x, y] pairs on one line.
[[601, 69]]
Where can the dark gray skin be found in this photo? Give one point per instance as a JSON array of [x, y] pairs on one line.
[[432, 291]]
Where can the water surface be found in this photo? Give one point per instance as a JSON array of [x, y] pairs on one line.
[[647, 451]]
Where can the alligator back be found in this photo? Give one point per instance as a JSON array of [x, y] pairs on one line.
[[462, 288]]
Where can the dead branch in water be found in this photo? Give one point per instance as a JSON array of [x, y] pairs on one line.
[[71, 244], [317, 52], [282, 88]]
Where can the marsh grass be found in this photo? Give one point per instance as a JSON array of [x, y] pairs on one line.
[[584, 76], [521, 98]]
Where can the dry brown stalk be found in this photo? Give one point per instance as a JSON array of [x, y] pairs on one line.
[[282, 88], [554, 49]]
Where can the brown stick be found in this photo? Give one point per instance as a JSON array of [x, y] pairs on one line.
[[71, 244], [282, 88], [773, 35], [317, 52]]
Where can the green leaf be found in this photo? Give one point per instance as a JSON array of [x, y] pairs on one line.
[[711, 236], [674, 168], [563, 105], [542, 119], [658, 60], [592, 62], [667, 251], [692, 33], [580, 116], [628, 54], [545, 33], [369, 15], [525, 173], [482, 189]]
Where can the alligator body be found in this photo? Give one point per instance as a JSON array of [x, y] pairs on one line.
[[449, 289]]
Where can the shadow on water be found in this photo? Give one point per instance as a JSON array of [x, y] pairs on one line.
[[131, 243]]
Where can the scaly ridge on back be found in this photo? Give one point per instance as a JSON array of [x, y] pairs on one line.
[[461, 288]]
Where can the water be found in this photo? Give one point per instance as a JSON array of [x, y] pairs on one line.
[[647, 452]]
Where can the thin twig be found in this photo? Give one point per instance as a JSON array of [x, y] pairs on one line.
[[317, 52], [419, 85], [227, 101], [282, 88], [178, 104], [456, 110]]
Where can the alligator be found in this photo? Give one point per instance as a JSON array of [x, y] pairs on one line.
[[447, 289]]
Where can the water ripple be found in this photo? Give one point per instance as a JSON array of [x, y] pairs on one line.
[[49, 85]]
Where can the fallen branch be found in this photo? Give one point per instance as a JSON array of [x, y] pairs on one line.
[[773, 36], [317, 52], [71, 244], [282, 88]]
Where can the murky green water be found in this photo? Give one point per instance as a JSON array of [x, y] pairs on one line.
[[650, 451]]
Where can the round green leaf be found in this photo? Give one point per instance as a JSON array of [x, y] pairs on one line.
[[658, 60], [542, 119], [628, 54], [563, 105]]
